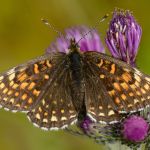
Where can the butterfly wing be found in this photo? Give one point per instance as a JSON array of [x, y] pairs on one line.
[[113, 87], [33, 87], [20, 87], [55, 111]]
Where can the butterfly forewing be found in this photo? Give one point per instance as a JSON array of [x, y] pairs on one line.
[[21, 86], [113, 87]]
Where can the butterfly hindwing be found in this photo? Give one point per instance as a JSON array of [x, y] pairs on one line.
[[115, 87], [53, 112]]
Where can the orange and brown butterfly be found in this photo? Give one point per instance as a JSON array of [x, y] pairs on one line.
[[65, 85]]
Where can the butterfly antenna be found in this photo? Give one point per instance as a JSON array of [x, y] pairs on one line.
[[46, 22], [93, 28]]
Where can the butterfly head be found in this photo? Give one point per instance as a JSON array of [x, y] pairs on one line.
[[73, 45]]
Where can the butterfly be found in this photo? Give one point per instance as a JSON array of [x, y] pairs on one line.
[[59, 89]]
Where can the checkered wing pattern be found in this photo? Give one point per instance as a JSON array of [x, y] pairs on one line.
[[56, 110], [113, 87], [33, 88]]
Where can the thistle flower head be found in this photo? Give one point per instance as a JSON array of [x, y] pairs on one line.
[[85, 124], [123, 36], [135, 128], [132, 130], [91, 42]]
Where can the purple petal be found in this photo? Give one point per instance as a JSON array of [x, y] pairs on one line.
[[123, 36], [135, 128], [91, 42]]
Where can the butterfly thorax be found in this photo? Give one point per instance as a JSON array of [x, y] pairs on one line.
[[76, 65]]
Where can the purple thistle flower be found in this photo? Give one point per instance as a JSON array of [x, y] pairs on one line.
[[85, 124], [91, 42], [123, 36], [135, 128]]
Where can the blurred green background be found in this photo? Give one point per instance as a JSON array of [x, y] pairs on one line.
[[23, 37]]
